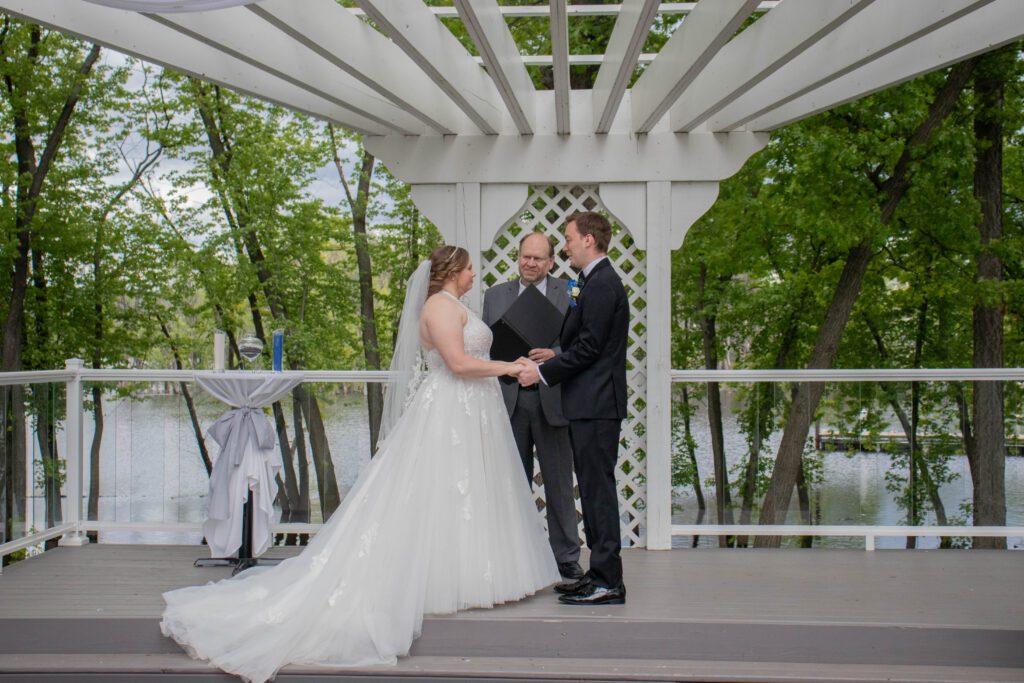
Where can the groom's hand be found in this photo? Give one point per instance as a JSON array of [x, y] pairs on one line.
[[541, 355], [529, 376]]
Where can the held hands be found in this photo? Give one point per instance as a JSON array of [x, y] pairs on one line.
[[529, 374], [516, 368], [541, 355]]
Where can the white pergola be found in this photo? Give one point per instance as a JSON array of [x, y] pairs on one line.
[[475, 138]]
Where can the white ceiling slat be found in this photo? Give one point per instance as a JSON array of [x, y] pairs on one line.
[[800, 23], [486, 26], [244, 36], [620, 59], [694, 44], [670, 8], [870, 35], [991, 26], [332, 32], [576, 60], [433, 48], [560, 64], [140, 37]]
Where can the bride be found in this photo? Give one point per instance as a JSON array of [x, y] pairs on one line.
[[440, 520]]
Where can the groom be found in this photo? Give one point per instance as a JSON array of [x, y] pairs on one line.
[[591, 369]]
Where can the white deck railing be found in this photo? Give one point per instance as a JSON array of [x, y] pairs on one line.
[[74, 527]]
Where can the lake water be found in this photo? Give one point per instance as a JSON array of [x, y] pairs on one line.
[[150, 470]]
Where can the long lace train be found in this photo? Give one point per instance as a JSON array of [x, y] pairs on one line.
[[441, 520]]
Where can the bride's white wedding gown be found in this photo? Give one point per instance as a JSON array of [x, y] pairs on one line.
[[442, 519]]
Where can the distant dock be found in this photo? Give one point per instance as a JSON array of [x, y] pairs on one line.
[[889, 442]]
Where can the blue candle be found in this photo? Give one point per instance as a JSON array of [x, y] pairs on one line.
[[278, 350]]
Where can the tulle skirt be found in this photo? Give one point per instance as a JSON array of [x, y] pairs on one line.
[[442, 519]]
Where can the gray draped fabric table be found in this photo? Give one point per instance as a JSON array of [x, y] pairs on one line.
[[249, 459]]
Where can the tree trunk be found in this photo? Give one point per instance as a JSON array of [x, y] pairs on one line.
[[691, 454], [764, 397], [358, 206], [326, 480], [371, 345], [804, 498], [688, 431], [909, 425], [806, 396], [988, 462], [93, 504], [43, 404], [31, 176], [301, 511], [723, 501], [197, 429], [12, 465], [287, 490], [32, 173], [248, 243]]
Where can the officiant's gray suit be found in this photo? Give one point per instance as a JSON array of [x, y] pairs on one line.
[[537, 421]]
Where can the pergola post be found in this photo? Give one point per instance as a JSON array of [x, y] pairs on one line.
[[659, 365], [658, 214]]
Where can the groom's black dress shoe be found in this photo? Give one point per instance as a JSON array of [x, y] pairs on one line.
[[595, 595], [570, 571], [573, 587]]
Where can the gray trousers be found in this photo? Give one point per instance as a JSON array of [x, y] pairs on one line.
[[554, 452]]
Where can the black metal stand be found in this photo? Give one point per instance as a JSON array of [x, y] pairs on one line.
[[245, 558]]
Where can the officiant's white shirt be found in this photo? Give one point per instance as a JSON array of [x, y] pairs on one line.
[[541, 286]]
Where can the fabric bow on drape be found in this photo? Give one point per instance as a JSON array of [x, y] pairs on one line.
[[237, 427]]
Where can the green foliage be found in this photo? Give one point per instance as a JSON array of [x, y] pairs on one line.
[[764, 261]]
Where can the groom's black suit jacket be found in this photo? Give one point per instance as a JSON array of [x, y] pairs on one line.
[[592, 365]]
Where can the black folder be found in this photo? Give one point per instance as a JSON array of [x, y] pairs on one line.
[[531, 322]]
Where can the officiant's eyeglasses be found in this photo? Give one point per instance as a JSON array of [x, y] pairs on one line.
[[535, 259]]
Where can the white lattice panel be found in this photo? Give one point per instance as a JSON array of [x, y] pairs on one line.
[[546, 211]]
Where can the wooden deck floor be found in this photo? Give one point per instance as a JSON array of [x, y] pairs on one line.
[[691, 615]]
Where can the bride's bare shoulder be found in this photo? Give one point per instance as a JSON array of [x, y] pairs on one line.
[[442, 305]]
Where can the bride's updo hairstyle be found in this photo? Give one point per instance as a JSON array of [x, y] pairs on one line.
[[445, 261]]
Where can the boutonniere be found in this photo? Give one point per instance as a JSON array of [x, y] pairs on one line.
[[574, 292]]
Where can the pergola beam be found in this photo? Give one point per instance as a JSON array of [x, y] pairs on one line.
[[560, 64], [871, 34], [620, 59], [991, 26], [683, 58], [486, 26], [135, 35], [438, 54], [735, 69], [243, 35], [350, 44], [612, 158]]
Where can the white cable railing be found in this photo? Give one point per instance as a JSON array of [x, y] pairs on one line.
[[868, 533], [72, 529]]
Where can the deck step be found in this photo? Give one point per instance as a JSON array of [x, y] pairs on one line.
[[170, 668], [591, 637]]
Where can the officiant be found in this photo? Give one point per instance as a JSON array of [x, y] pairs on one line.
[[536, 411]]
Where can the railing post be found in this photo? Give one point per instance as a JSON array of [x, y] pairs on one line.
[[869, 542], [73, 455]]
